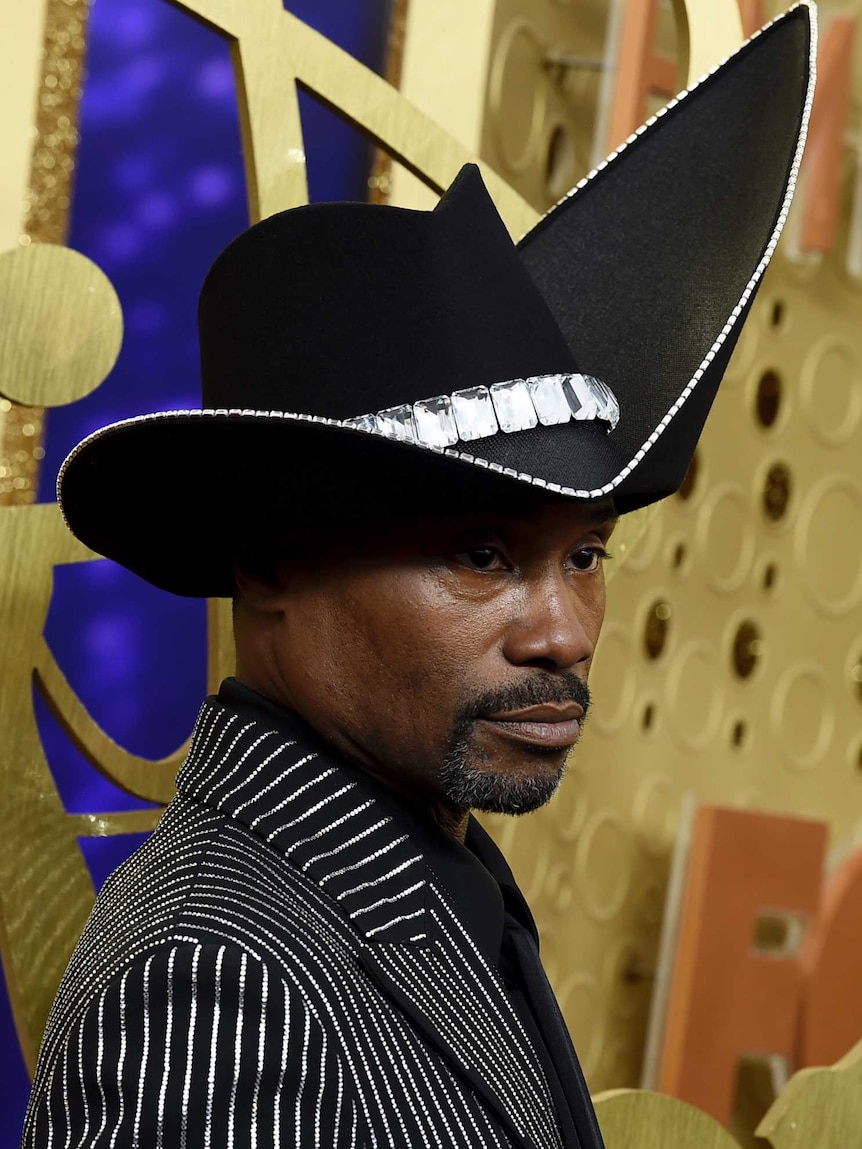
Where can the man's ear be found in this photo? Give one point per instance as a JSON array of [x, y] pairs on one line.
[[258, 586]]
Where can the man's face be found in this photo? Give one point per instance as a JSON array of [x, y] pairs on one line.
[[448, 658]]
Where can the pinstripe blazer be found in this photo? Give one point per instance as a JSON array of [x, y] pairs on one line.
[[277, 966]]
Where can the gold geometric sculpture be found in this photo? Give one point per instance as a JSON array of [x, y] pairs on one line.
[[819, 1107], [62, 325], [41, 56], [45, 888], [632, 1119]]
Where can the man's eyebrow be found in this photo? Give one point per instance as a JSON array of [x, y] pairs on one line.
[[604, 513]]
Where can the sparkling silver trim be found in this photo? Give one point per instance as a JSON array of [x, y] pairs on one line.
[[478, 412]]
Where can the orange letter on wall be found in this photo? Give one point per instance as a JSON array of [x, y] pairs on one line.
[[823, 164], [640, 71], [831, 960], [728, 998]]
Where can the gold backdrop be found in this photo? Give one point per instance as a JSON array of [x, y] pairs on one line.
[[731, 661]]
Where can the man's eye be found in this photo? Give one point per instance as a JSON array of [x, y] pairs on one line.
[[588, 559], [481, 558]]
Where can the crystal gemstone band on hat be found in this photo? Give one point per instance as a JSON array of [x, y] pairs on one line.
[[478, 412]]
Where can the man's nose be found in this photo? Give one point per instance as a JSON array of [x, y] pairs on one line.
[[553, 627]]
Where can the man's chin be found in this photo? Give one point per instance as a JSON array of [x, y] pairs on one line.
[[499, 793]]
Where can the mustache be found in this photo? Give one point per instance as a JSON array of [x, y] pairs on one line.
[[537, 691]]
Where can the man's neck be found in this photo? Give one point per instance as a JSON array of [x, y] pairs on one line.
[[453, 820]]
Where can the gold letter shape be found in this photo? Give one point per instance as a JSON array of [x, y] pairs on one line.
[[638, 1119], [61, 334], [819, 1108]]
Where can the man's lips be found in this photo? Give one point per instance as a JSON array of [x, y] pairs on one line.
[[553, 726]]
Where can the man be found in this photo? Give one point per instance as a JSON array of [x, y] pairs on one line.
[[407, 480]]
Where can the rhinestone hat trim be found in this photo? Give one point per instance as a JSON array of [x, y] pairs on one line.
[[478, 412], [534, 480]]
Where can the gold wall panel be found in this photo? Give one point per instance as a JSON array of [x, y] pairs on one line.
[[538, 124], [731, 662], [545, 121]]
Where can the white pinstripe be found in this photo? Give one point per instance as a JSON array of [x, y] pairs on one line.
[[376, 881], [216, 1017], [184, 1114], [163, 1087], [237, 1050], [68, 1115], [99, 1058], [276, 1116], [237, 766]]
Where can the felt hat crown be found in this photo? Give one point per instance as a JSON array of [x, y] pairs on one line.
[[363, 359]]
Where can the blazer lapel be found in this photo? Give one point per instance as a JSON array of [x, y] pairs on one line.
[[541, 998], [471, 1022], [337, 827]]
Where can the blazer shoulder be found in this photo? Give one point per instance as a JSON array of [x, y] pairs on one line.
[[190, 1038]]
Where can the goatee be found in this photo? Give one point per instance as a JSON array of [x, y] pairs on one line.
[[468, 777]]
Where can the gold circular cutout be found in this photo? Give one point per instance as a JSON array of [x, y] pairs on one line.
[[612, 680], [655, 812], [831, 391], [62, 325], [603, 865], [726, 537], [517, 94], [802, 715], [828, 545], [695, 695]]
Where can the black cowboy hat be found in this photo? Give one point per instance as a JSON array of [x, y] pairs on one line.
[[361, 359]]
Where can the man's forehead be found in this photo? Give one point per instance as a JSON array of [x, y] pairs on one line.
[[564, 511], [567, 515]]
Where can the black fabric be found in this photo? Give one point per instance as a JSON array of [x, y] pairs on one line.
[[486, 897], [338, 310], [563, 1070], [516, 973], [533, 999]]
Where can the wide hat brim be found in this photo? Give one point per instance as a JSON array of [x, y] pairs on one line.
[[642, 276], [239, 483]]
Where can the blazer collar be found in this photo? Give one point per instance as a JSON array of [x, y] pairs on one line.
[[316, 810]]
